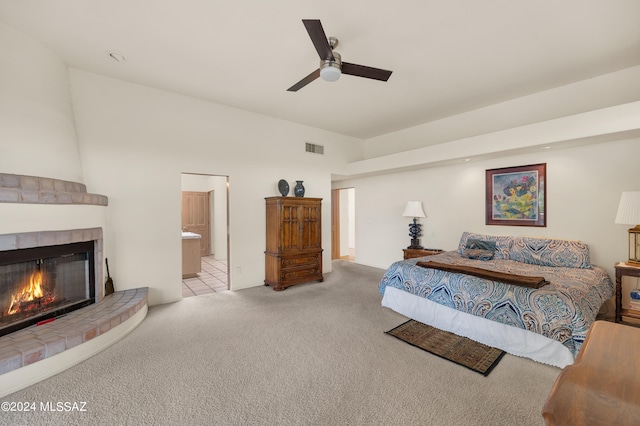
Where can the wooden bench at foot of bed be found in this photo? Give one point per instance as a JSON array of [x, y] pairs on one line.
[[602, 387]]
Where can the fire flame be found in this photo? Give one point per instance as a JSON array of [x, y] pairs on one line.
[[28, 293]]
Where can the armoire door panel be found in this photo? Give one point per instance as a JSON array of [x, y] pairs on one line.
[[290, 225], [310, 227]]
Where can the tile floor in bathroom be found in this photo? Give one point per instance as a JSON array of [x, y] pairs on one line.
[[211, 279]]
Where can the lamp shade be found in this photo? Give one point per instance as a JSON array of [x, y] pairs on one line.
[[629, 214], [629, 208], [414, 209]]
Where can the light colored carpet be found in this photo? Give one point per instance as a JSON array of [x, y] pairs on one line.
[[314, 354]]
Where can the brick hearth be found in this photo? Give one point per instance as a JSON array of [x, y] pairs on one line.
[[38, 342]]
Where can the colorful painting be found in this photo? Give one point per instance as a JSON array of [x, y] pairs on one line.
[[516, 196]]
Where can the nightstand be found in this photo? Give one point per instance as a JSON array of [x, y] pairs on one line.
[[624, 269], [411, 253]]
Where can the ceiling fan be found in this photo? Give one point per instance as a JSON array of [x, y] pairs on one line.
[[331, 65]]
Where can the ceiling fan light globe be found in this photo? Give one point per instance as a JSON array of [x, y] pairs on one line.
[[330, 73]]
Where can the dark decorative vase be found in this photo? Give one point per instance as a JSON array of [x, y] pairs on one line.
[[283, 187], [299, 189]]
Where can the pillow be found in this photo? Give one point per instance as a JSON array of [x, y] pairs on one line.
[[479, 249], [502, 243], [551, 252]]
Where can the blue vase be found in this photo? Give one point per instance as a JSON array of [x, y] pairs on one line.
[[298, 191]]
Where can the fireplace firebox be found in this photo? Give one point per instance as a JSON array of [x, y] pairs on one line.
[[40, 283]]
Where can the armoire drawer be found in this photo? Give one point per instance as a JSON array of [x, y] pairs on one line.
[[296, 261], [297, 274]]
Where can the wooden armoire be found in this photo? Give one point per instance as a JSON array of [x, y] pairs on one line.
[[294, 241]]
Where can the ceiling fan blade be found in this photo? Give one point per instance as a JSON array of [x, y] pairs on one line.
[[308, 79], [364, 71], [319, 38]]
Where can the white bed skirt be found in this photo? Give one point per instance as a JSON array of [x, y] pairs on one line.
[[513, 340]]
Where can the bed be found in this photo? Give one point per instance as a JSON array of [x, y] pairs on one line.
[[547, 324]]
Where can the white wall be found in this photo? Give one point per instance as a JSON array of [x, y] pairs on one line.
[[37, 134], [135, 143], [220, 229], [347, 221], [195, 183], [17, 218]]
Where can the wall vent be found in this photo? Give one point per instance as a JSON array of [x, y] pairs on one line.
[[316, 149]]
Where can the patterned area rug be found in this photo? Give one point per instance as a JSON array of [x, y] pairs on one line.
[[461, 350]]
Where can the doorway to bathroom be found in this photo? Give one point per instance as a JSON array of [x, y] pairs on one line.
[[205, 236]]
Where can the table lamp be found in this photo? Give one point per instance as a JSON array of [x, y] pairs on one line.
[[414, 210], [629, 214]]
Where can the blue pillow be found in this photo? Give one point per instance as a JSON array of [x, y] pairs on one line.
[[479, 249], [502, 248]]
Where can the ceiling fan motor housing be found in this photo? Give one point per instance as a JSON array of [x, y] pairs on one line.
[[330, 70]]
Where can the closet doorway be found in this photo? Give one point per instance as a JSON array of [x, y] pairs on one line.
[[205, 218], [343, 233]]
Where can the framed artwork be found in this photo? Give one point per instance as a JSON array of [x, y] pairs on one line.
[[517, 195]]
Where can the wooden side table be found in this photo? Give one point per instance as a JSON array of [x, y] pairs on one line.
[[623, 269], [411, 253]]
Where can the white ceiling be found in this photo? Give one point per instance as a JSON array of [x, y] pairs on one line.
[[447, 56]]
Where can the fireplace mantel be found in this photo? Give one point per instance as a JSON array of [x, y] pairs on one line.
[[41, 190]]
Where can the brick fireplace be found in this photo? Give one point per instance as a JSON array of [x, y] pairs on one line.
[[28, 191], [57, 340]]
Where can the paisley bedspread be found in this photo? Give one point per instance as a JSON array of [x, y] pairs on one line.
[[563, 310]]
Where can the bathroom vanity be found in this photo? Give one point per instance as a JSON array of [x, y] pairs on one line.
[[190, 254]]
